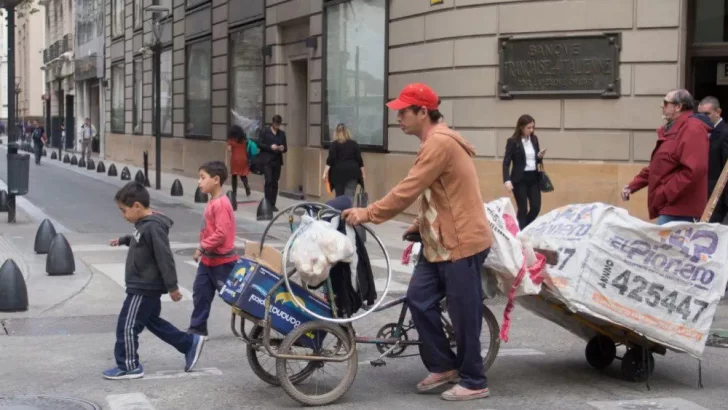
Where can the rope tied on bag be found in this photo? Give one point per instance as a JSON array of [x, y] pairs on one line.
[[534, 272]]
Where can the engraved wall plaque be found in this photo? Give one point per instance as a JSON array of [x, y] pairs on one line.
[[564, 66]]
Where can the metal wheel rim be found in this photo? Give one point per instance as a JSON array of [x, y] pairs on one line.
[[284, 258]]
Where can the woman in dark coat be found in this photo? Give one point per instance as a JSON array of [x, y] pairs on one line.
[[344, 166], [524, 178]]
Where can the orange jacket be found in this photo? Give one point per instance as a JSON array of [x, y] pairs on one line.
[[451, 217]]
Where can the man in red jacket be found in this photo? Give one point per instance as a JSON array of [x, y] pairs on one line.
[[677, 176]]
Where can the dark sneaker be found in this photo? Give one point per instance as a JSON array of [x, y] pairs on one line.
[[194, 353], [118, 374], [193, 331], [275, 209], [247, 191]]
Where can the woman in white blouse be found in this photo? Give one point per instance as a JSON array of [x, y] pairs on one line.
[[524, 178]]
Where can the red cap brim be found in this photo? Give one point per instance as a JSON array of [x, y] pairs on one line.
[[397, 105]]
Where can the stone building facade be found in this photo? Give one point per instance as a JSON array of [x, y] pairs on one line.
[[328, 61], [29, 45], [58, 64]]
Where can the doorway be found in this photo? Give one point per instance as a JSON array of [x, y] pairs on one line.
[[707, 71], [710, 78], [297, 123], [94, 112]]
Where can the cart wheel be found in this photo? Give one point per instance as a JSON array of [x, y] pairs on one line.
[[633, 365], [600, 352], [323, 386], [262, 363], [387, 332], [493, 342]]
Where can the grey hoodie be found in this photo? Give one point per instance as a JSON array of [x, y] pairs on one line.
[[150, 268]]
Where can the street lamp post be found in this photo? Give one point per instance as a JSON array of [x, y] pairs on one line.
[[9, 6], [159, 14]]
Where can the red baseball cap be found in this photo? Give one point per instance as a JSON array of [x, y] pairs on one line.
[[415, 94]]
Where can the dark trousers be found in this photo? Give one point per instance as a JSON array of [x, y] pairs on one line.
[[137, 313], [459, 281], [271, 173], [347, 188], [528, 198], [208, 281], [38, 151], [234, 182]]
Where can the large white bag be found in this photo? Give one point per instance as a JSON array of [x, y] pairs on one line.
[[318, 246], [511, 252], [663, 282]]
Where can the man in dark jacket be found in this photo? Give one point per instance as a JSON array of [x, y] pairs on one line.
[[272, 145], [718, 153], [677, 176]]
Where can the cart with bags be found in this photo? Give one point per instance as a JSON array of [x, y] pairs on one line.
[[297, 322]]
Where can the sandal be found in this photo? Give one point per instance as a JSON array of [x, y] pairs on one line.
[[435, 380], [460, 393]]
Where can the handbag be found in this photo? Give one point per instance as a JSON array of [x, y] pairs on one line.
[[545, 182]]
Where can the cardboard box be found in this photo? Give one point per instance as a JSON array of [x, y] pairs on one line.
[[268, 256], [248, 286]]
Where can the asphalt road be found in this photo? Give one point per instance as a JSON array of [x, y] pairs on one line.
[[63, 351]]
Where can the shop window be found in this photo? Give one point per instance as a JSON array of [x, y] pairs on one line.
[[246, 79], [199, 89], [117, 98], [355, 71], [166, 82]]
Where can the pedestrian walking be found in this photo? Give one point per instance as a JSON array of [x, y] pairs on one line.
[[524, 178], [273, 145], [150, 272], [216, 254], [456, 240], [88, 135], [242, 151], [677, 175], [344, 165], [717, 153], [39, 139]]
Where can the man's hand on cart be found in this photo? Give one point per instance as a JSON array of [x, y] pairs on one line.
[[176, 295], [356, 216]]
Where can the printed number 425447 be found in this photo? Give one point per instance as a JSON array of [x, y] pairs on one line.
[[653, 298]]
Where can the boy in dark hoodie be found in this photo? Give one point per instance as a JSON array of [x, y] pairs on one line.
[[150, 272]]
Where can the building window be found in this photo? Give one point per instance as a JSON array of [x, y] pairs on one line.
[[193, 3], [355, 75], [117, 18], [138, 14], [138, 104], [117, 98], [166, 94], [199, 90], [246, 79], [164, 3]]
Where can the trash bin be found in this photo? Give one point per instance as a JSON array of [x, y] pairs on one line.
[[18, 173]]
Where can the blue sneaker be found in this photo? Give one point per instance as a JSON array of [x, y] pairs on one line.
[[118, 374], [194, 353]]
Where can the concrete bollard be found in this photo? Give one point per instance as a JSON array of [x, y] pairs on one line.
[[177, 189], [13, 292], [60, 259], [44, 236]]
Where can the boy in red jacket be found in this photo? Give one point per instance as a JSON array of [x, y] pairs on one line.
[[216, 254]]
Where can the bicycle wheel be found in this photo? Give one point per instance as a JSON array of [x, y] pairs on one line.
[[311, 392], [489, 335], [259, 359], [493, 341]]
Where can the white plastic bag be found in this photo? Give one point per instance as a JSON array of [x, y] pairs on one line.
[[317, 248]]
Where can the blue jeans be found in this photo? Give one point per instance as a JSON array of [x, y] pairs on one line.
[[208, 281], [459, 281], [137, 313], [663, 219]]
